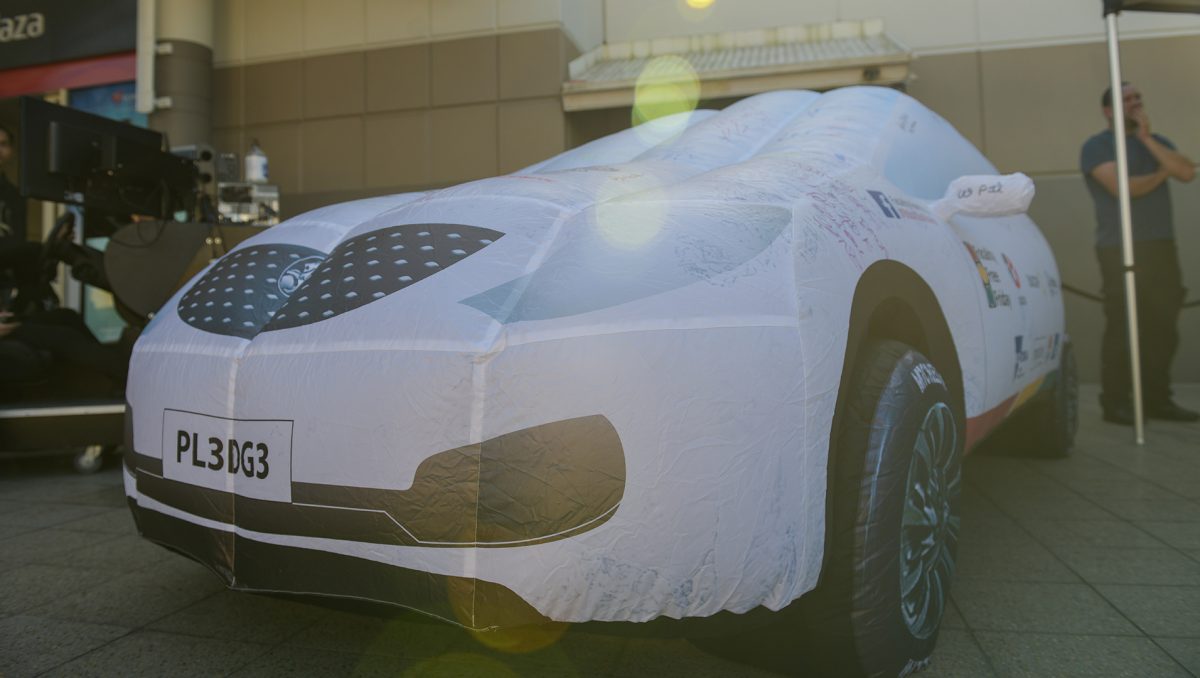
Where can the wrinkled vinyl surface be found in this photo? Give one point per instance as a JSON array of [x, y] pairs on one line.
[[599, 388]]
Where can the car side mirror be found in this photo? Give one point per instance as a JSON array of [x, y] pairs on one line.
[[986, 195]]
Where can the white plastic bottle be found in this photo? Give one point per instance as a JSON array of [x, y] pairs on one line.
[[256, 164]]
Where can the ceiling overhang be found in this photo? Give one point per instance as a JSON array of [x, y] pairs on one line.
[[737, 64]]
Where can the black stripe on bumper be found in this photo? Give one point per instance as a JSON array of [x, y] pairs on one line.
[[249, 565]]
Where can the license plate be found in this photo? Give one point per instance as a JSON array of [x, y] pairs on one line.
[[249, 457]]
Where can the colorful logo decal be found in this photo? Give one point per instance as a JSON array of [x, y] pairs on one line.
[[983, 275], [296, 273], [885, 204], [1021, 357], [1012, 270]]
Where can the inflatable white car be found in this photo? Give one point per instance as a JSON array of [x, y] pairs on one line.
[[709, 364]]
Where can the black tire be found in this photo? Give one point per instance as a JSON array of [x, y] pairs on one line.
[[1056, 419], [895, 518]]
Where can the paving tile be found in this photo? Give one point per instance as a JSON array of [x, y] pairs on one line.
[[1179, 535], [1066, 506], [993, 527], [7, 506], [121, 554], [286, 661], [407, 635], [1182, 510], [1186, 651], [1100, 533], [28, 586], [453, 664], [1099, 565], [242, 616], [1015, 560], [37, 516], [1037, 607], [957, 654], [1129, 488], [1084, 470], [109, 497], [674, 657], [62, 489], [115, 521], [31, 645], [554, 650], [149, 653], [48, 546], [7, 531], [1159, 610], [1039, 655], [137, 598], [953, 618]]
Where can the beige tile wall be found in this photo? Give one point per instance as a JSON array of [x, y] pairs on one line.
[[927, 26], [251, 31], [402, 118]]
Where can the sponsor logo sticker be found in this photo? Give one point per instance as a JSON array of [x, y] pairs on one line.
[[983, 274], [1022, 356], [296, 273], [885, 204], [1012, 270], [925, 374]]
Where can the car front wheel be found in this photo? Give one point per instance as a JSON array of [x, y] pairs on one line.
[[895, 518]]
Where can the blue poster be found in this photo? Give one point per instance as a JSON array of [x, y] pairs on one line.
[[115, 102]]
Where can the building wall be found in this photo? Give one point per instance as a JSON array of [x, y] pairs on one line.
[[926, 26], [367, 97], [1030, 109]]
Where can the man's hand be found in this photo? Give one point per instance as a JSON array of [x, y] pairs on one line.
[[1175, 164], [1142, 123], [1139, 185]]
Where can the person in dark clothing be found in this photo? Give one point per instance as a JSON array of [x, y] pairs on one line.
[[63, 334], [19, 258], [12, 205], [1153, 160]]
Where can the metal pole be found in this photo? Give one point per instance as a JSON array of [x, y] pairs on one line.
[[1135, 365]]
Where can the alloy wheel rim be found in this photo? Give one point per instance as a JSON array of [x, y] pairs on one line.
[[930, 523]]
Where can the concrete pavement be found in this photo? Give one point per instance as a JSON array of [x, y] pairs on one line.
[[1088, 566]]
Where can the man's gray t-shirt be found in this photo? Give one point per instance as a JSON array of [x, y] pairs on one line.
[[1152, 218]]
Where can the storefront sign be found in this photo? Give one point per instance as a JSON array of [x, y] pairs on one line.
[[35, 32]]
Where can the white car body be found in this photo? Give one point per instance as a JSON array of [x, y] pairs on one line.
[[691, 282]]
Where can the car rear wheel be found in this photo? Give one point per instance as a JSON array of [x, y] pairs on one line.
[[895, 519]]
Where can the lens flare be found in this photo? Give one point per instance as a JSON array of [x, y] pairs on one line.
[[632, 224], [521, 639], [458, 664], [667, 85], [700, 4]]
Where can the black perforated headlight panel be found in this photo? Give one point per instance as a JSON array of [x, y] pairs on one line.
[[371, 266], [245, 288]]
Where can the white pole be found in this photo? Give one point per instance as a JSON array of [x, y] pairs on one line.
[[146, 44], [1118, 107]]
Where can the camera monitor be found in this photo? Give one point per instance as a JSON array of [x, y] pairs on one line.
[[109, 166]]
